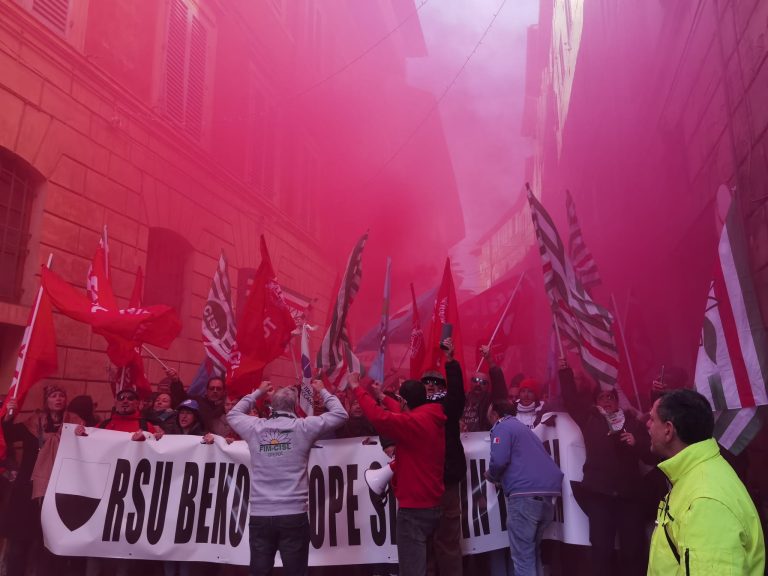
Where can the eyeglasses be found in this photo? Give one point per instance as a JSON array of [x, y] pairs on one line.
[[433, 381], [129, 397], [216, 388], [477, 380]]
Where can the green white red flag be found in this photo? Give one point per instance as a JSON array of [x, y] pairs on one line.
[[731, 367]]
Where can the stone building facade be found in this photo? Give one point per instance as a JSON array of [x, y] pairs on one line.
[[161, 120]]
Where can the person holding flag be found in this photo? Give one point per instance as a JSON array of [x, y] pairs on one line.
[[38, 434], [419, 433]]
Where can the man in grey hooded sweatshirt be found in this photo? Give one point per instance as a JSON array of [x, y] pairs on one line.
[[279, 447]]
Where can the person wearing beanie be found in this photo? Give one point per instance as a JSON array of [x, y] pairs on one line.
[[419, 431], [445, 550], [186, 422], [610, 493], [528, 405], [189, 422]]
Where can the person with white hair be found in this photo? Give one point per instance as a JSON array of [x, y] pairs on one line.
[[279, 447]]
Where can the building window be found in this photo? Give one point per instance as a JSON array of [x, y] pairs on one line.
[[186, 61], [261, 156], [167, 255], [54, 13], [17, 183]]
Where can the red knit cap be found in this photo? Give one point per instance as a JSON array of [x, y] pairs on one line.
[[532, 384]]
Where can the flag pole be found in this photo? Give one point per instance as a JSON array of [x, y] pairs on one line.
[[503, 315], [148, 351], [626, 351], [105, 240], [407, 350], [295, 365], [557, 335], [30, 328], [414, 313]]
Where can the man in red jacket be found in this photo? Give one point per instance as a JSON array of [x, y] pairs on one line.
[[419, 433], [126, 418]]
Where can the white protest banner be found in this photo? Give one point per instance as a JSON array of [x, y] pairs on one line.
[[484, 510], [177, 499]]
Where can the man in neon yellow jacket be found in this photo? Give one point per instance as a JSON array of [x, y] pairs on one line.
[[707, 523]]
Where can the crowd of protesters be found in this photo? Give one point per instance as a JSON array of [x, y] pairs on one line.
[[419, 424]]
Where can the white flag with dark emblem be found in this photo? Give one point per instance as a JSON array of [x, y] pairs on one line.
[[219, 330]]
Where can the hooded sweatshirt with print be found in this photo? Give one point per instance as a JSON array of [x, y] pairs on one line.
[[279, 448]]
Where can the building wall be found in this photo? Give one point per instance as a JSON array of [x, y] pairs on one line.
[[666, 110], [271, 118], [660, 114], [87, 118]]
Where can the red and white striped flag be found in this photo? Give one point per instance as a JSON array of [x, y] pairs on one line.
[[583, 262], [584, 326], [731, 367], [335, 358], [219, 329]]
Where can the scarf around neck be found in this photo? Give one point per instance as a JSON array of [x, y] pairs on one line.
[[615, 420]]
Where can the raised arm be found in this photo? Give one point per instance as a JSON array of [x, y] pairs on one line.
[[575, 404], [239, 417], [335, 415], [455, 398]]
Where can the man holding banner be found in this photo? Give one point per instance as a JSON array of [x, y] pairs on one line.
[[279, 447], [531, 481], [419, 433]]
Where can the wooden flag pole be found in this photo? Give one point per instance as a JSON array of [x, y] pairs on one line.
[[148, 351], [626, 351], [299, 376], [557, 335], [503, 315]]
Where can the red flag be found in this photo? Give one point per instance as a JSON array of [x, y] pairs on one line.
[[132, 375], [264, 329], [138, 289], [156, 325], [37, 355], [446, 311], [98, 285], [121, 351], [416, 347]]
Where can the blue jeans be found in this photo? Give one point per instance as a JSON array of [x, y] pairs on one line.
[[289, 534], [415, 526], [527, 518]]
